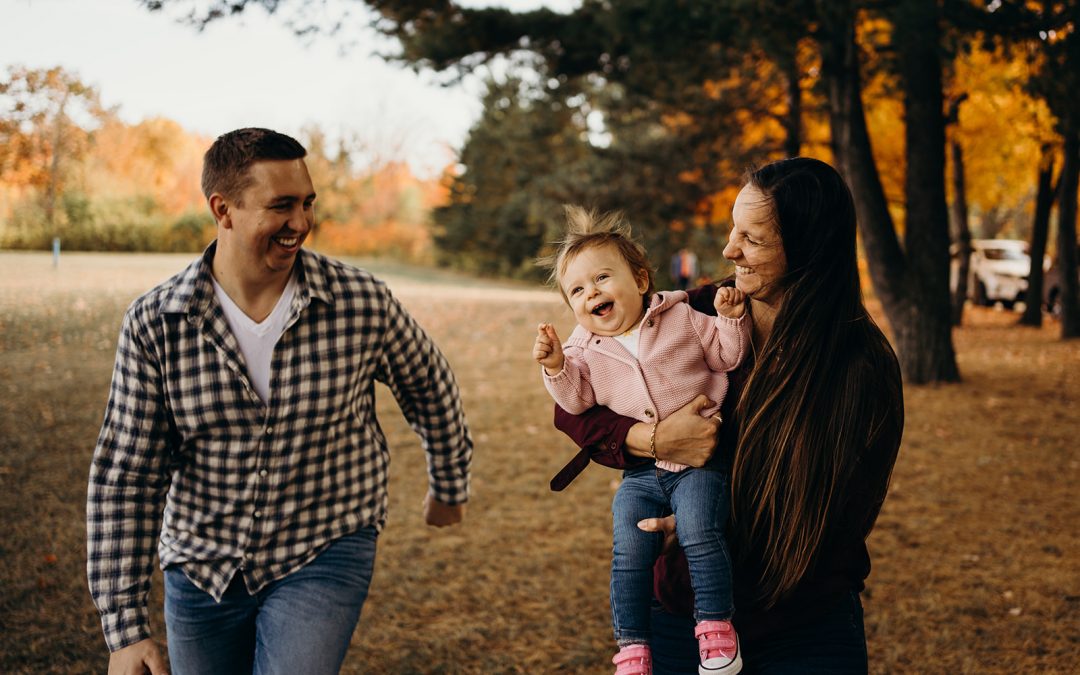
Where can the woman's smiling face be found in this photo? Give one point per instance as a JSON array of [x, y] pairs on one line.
[[755, 246], [604, 293]]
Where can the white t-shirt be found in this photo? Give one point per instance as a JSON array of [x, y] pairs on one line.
[[629, 339], [257, 340]]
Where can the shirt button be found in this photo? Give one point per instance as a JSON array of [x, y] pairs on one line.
[[263, 473], [258, 514], [269, 430], [649, 323], [648, 413], [249, 556]]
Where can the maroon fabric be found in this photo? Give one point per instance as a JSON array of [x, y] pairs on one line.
[[601, 433]]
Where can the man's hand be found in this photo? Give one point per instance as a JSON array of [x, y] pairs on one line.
[[665, 525], [548, 349], [730, 302], [138, 659], [438, 514], [685, 437]]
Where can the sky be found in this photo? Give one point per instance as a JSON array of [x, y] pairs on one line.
[[247, 71]]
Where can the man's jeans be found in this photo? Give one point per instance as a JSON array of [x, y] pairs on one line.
[[699, 499], [301, 623]]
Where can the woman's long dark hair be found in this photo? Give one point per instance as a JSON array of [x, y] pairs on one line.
[[820, 387]]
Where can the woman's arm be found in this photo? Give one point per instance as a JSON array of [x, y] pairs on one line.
[[601, 432], [619, 442], [684, 436]]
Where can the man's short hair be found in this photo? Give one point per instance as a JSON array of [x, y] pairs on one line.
[[226, 163]]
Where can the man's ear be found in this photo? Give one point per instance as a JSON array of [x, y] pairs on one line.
[[219, 208]]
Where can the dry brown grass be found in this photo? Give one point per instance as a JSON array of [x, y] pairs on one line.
[[976, 553]]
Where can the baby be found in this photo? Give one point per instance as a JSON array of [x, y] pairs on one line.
[[645, 355]]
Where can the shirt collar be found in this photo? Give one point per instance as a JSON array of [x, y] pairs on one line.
[[192, 290]]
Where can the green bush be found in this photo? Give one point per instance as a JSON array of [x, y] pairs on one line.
[[129, 224]]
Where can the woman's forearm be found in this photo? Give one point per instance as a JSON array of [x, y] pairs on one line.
[[638, 440], [684, 436], [601, 432]]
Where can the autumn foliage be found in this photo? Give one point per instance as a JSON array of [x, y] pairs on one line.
[[72, 169]]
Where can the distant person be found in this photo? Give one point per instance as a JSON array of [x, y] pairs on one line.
[[812, 425], [240, 437], [646, 355], [684, 268]]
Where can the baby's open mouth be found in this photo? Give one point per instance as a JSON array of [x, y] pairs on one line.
[[603, 308]]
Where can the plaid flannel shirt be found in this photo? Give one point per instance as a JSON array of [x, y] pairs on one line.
[[190, 457]]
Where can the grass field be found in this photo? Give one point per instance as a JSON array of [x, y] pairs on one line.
[[976, 554]]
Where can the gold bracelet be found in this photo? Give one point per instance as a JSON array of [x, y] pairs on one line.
[[652, 442]]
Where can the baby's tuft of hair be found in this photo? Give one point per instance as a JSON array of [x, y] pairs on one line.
[[587, 228]]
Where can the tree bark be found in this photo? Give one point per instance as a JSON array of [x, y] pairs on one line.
[[1070, 176], [913, 288], [792, 122], [960, 217], [928, 337], [1040, 231]]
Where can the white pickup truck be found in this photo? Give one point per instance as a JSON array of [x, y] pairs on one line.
[[998, 273]]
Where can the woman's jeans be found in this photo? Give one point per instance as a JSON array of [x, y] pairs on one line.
[[301, 623], [832, 642], [699, 499]]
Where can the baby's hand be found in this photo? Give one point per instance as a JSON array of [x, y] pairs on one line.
[[548, 349], [730, 302]]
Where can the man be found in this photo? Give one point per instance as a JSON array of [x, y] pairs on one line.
[[240, 437]]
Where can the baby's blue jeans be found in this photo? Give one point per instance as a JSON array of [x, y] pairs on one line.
[[699, 500]]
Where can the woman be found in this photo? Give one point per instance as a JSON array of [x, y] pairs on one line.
[[812, 426]]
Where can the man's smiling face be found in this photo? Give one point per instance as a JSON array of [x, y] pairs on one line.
[[272, 217]]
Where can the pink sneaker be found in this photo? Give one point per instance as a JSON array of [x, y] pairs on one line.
[[633, 660], [719, 648]]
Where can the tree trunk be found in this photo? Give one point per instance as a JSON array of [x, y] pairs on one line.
[[52, 187], [1070, 176], [926, 237], [789, 65], [851, 147], [960, 217], [913, 288], [1040, 230]]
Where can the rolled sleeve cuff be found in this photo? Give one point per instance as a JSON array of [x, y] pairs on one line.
[[125, 627], [610, 452], [450, 490], [727, 321], [601, 432], [557, 377]]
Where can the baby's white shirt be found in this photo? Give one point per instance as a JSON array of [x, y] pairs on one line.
[[629, 339]]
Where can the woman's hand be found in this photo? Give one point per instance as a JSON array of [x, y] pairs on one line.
[[665, 525], [684, 436]]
